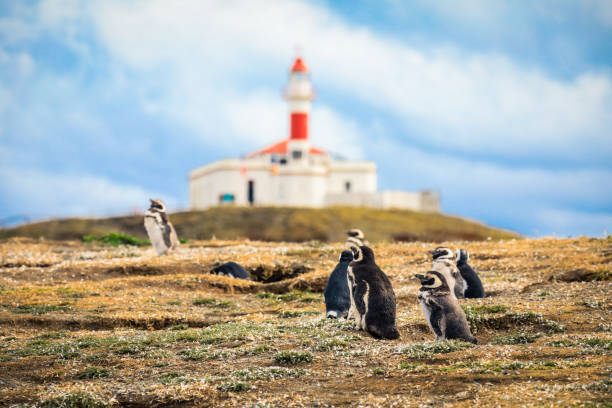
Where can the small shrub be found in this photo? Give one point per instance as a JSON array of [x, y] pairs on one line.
[[293, 357], [115, 239], [222, 304], [235, 386], [179, 327], [429, 349], [93, 372], [515, 338], [40, 309], [174, 378]]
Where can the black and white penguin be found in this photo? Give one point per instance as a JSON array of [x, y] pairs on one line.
[[356, 237], [372, 297], [231, 270], [337, 296], [444, 262], [442, 310], [159, 228], [472, 280]]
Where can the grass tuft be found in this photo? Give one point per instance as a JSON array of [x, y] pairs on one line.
[[293, 357], [235, 386], [222, 304], [430, 348], [115, 239], [93, 372], [79, 399], [516, 338]]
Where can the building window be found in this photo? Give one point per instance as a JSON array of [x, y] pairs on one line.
[[226, 198], [296, 154], [347, 186], [283, 161]]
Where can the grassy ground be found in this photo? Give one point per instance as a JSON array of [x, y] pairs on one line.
[[88, 325], [277, 224]]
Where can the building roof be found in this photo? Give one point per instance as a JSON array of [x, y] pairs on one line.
[[299, 66], [282, 147]]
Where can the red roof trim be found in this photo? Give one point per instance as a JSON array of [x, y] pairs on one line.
[[281, 147]]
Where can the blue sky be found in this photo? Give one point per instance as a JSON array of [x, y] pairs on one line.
[[504, 107]]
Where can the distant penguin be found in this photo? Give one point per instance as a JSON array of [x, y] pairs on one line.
[[474, 285], [231, 270], [159, 228], [444, 262], [356, 237], [372, 297], [442, 310], [337, 296]]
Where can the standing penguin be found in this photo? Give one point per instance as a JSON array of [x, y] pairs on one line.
[[443, 262], [372, 296], [231, 270], [337, 296], [356, 237], [442, 310], [474, 285], [160, 230]]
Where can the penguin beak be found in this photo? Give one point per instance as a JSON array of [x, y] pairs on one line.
[[432, 251], [420, 277]]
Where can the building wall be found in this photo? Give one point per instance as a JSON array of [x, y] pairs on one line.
[[361, 176], [421, 201]]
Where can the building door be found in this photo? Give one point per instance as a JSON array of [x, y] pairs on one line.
[[251, 192]]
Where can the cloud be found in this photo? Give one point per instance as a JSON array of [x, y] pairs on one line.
[[35, 193], [447, 99]]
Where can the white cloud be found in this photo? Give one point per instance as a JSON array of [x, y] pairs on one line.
[[470, 103], [36, 192]]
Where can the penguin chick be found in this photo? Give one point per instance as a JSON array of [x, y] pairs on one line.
[[231, 270], [442, 310], [443, 262], [337, 296], [472, 280], [371, 294], [159, 228], [355, 236]]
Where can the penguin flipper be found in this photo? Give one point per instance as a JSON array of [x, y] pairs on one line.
[[359, 294]]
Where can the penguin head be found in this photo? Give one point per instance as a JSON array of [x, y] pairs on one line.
[[362, 254], [157, 204], [355, 233], [433, 280], [441, 253], [462, 255], [346, 256]]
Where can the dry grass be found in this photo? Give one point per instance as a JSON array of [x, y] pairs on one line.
[[87, 325]]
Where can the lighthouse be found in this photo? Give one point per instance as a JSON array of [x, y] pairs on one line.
[[293, 172], [299, 94]]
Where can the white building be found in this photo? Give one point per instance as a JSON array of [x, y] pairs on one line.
[[292, 172]]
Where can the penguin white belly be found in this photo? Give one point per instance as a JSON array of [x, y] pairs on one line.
[[155, 235], [426, 309], [352, 313]]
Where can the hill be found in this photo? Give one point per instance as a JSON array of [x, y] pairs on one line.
[[278, 224]]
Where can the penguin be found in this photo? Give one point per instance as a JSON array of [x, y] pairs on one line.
[[337, 297], [474, 285], [355, 236], [444, 262], [161, 232], [231, 270], [442, 310], [372, 298]]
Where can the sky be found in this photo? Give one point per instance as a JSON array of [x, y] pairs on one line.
[[504, 107]]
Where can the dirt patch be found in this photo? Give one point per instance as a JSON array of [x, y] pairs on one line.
[[275, 273], [582, 275]]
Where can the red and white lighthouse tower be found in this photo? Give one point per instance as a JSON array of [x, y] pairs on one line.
[[299, 93]]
